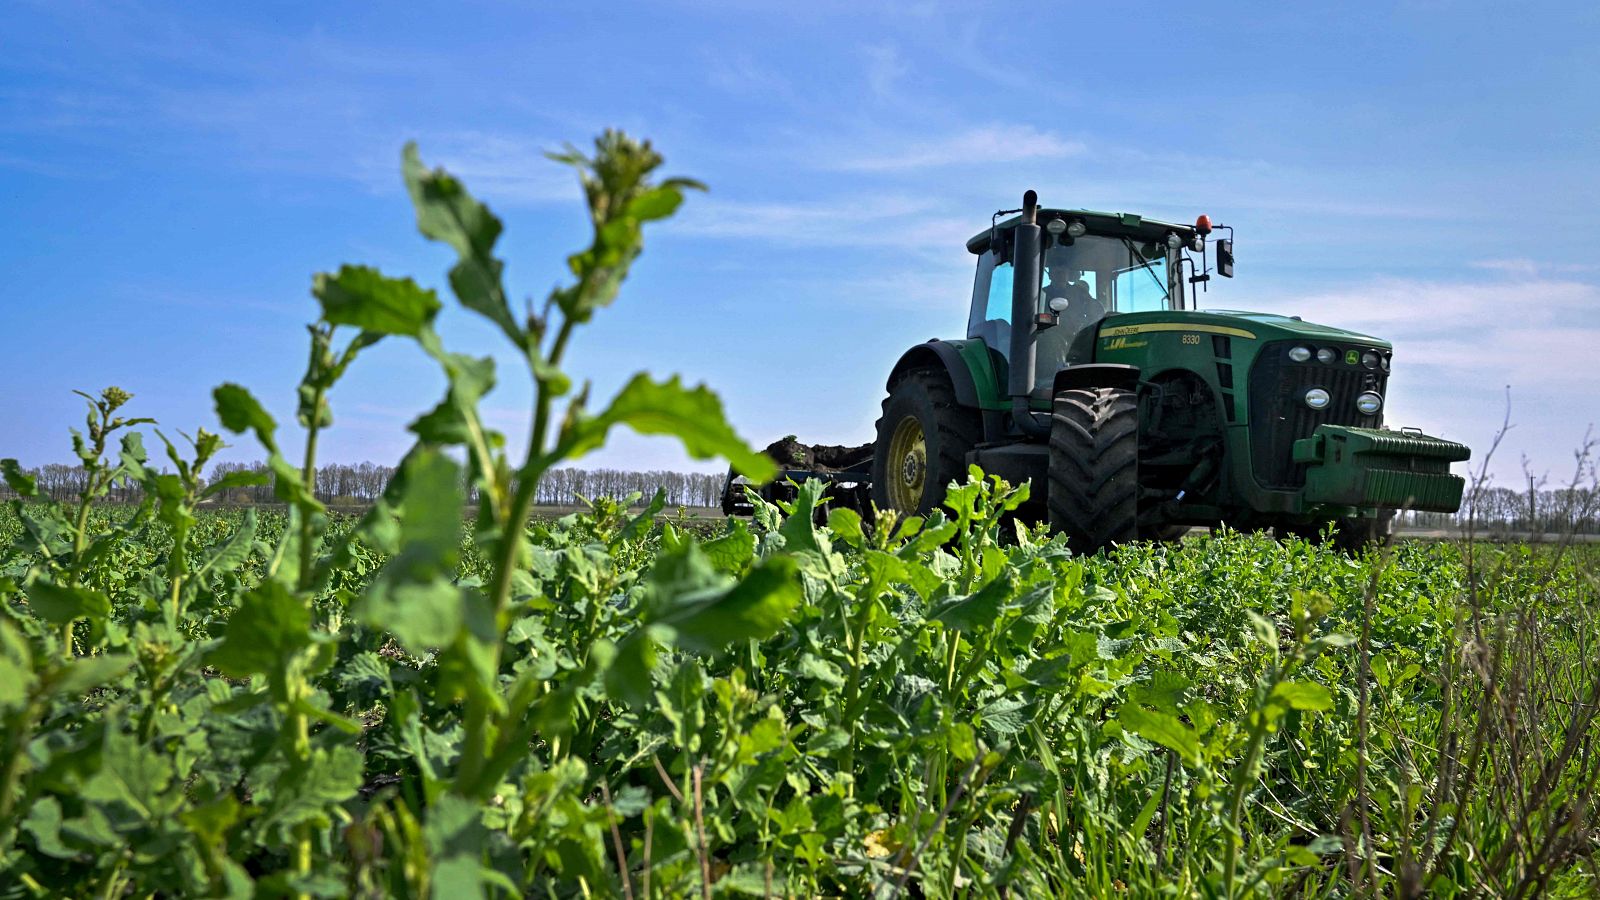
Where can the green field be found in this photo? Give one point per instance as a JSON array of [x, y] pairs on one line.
[[449, 697], [961, 710]]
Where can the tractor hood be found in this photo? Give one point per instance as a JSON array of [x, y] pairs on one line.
[[1272, 326]]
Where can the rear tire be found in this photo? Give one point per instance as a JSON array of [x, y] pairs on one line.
[[924, 436], [1094, 467]]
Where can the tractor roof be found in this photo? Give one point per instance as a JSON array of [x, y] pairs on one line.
[[1130, 225]]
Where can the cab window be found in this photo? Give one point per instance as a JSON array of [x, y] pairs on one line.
[[991, 304]]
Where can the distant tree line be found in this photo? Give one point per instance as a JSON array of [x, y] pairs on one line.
[[1574, 510], [559, 487], [1563, 510], [362, 483]]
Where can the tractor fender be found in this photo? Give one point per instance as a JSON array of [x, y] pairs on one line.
[[939, 354], [1097, 375]]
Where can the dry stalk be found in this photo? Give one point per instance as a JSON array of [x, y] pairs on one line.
[[616, 843], [700, 833]]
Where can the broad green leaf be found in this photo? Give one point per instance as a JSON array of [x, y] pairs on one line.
[[210, 821], [962, 742], [1303, 695], [20, 482], [1165, 691], [60, 604], [369, 300], [846, 523], [289, 487], [240, 412], [978, 610], [309, 791], [16, 665], [133, 774], [1005, 716], [430, 518], [814, 667], [692, 415], [447, 213], [44, 823], [455, 420], [733, 551], [1380, 669], [421, 615], [86, 673], [232, 551], [656, 203], [456, 841], [628, 677], [799, 528], [1162, 728], [415, 597], [270, 626], [640, 525], [755, 607]]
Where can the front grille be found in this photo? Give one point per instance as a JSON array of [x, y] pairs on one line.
[[1279, 415]]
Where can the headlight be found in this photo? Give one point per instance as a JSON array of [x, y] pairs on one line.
[[1385, 362], [1327, 355], [1317, 398], [1369, 403], [1369, 359], [1300, 354], [1197, 243], [1076, 228], [1173, 240]]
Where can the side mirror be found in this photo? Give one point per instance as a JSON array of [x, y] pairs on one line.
[[1225, 257]]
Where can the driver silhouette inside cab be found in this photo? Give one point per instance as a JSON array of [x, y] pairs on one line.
[[1076, 309]]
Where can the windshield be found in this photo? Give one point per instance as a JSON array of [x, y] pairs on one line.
[[1120, 274]]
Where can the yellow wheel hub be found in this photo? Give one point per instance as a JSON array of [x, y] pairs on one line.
[[908, 465]]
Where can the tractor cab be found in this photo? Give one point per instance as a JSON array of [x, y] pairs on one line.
[[1092, 266]]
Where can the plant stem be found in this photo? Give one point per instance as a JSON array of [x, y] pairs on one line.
[[505, 563], [80, 537], [308, 474], [11, 769], [1247, 774]]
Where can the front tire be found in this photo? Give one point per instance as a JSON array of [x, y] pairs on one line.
[[1349, 535], [1355, 535], [1094, 467], [924, 436]]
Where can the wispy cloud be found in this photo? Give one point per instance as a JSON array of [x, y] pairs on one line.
[[885, 67], [818, 223], [739, 72], [1524, 267], [988, 145], [1471, 306]]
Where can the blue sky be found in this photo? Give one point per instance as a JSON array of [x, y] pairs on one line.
[[171, 176]]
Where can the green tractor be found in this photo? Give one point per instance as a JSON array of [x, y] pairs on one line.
[[1087, 370]]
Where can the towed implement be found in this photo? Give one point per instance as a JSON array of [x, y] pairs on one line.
[[1087, 370]]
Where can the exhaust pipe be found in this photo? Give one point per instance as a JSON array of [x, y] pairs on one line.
[[1027, 278]]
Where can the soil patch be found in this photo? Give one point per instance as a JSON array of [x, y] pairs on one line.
[[789, 453]]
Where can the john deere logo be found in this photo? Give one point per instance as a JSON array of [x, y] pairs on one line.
[[1351, 357], [1123, 343]]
